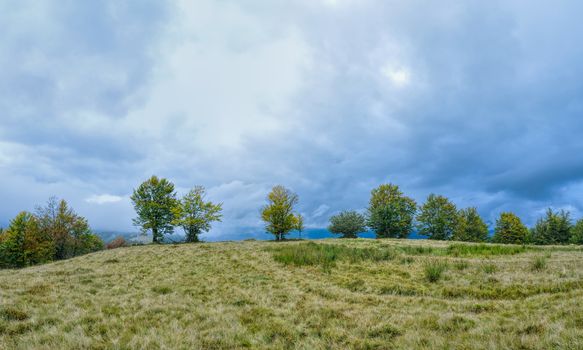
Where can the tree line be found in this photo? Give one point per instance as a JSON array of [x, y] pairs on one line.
[[391, 214], [52, 232], [56, 232]]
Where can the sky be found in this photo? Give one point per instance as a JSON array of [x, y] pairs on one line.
[[480, 101]]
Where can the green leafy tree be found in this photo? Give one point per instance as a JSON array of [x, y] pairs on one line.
[[195, 215], [155, 204], [390, 213], [554, 228], [67, 229], [510, 229], [348, 224], [24, 244], [278, 214], [438, 218], [470, 227], [577, 233], [300, 225]]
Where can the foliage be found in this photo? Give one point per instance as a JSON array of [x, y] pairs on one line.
[[24, 244], [348, 224], [577, 233], [554, 228], [509, 229], [117, 242], [437, 218], [195, 215], [390, 213], [278, 214], [300, 225], [155, 202], [69, 231], [470, 227]]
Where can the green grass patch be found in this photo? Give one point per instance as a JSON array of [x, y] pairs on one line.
[[434, 269], [458, 249], [326, 255]]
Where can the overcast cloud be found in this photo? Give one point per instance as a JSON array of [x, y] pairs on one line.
[[478, 101]]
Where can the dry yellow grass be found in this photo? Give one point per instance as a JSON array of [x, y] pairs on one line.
[[236, 295]]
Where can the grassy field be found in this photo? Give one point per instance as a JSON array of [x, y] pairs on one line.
[[328, 294]]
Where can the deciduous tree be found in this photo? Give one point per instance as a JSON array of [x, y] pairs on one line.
[[155, 204], [390, 213], [278, 214], [438, 218], [195, 215], [348, 224]]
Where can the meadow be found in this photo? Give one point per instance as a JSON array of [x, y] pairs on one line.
[[325, 294]]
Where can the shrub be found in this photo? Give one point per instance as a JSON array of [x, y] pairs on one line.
[[348, 224], [434, 269], [117, 242]]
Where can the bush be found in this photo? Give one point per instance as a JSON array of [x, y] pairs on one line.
[[348, 224], [117, 242], [434, 269]]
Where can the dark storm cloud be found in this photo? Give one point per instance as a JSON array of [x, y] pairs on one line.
[[478, 101]]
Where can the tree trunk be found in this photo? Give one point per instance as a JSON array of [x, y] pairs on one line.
[[154, 235]]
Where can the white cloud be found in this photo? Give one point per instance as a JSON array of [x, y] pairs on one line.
[[103, 199]]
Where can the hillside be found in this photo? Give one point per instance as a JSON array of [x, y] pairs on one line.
[[329, 294]]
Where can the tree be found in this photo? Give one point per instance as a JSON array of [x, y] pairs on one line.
[[69, 231], [554, 228], [470, 227], [577, 233], [278, 214], [300, 225], [437, 218], [509, 229], [155, 202], [24, 244], [348, 224], [195, 215], [390, 213]]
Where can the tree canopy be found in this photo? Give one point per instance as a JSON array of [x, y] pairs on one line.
[[348, 224], [470, 227], [510, 229], [554, 228], [195, 215], [155, 204], [278, 214], [390, 212], [438, 218]]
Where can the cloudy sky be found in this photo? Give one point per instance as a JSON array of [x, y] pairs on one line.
[[481, 101]]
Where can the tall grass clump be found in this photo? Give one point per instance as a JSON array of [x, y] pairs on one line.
[[484, 249], [434, 269], [539, 263], [326, 255]]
